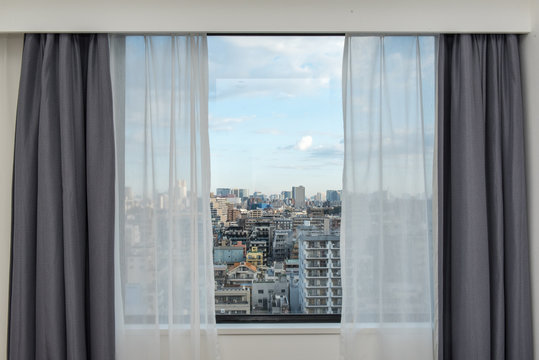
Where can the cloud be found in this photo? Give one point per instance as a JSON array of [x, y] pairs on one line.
[[269, 132], [274, 88], [304, 143], [307, 63], [227, 123], [328, 152]]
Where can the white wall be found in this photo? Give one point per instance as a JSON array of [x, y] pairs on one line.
[[282, 347], [10, 57], [265, 15], [530, 75]]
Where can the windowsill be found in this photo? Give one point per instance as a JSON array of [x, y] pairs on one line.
[[279, 329]]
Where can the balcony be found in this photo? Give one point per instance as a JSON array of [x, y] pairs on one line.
[[316, 265], [317, 284], [316, 246], [316, 255], [317, 303], [315, 293], [231, 302], [316, 274]]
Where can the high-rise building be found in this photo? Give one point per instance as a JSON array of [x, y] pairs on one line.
[[239, 193], [219, 209], [319, 272], [333, 195], [223, 192], [298, 194], [282, 245]]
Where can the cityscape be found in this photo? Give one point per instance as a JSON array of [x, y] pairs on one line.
[[276, 254]]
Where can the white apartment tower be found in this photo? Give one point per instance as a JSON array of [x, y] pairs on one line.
[[319, 272]]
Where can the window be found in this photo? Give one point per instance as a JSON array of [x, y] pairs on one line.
[[276, 140]]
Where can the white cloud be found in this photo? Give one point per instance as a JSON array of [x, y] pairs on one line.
[[268, 88], [226, 124], [304, 143], [269, 131], [308, 63]]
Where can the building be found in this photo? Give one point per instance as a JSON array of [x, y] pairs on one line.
[[298, 194], [219, 210], [264, 293], [291, 266], [261, 238], [333, 196], [282, 223], [240, 193], [236, 235], [319, 273], [232, 214], [232, 301], [222, 192], [242, 274], [280, 305], [219, 274], [256, 213], [228, 255], [282, 245], [255, 257], [320, 223]]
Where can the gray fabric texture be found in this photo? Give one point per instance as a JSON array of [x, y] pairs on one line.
[[62, 273], [484, 280]]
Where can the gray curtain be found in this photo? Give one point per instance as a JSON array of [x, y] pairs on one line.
[[62, 274], [484, 280]]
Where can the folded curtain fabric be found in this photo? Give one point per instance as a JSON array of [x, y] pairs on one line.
[[62, 284], [386, 230], [483, 274], [164, 242]]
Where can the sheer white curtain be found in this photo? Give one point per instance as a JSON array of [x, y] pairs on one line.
[[386, 246], [164, 272]]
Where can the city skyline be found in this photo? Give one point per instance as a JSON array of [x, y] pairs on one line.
[[250, 192]]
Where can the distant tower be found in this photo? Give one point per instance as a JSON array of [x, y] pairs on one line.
[[298, 194]]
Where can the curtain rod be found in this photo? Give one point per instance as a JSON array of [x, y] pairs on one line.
[[342, 34], [273, 34]]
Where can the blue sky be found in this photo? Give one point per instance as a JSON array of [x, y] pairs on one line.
[[276, 113]]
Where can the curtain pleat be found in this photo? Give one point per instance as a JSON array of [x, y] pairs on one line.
[[386, 231], [62, 289], [484, 292], [165, 306]]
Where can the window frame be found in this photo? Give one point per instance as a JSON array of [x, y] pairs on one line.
[[278, 319], [269, 318]]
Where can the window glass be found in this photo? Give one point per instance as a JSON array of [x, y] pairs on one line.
[[276, 140]]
